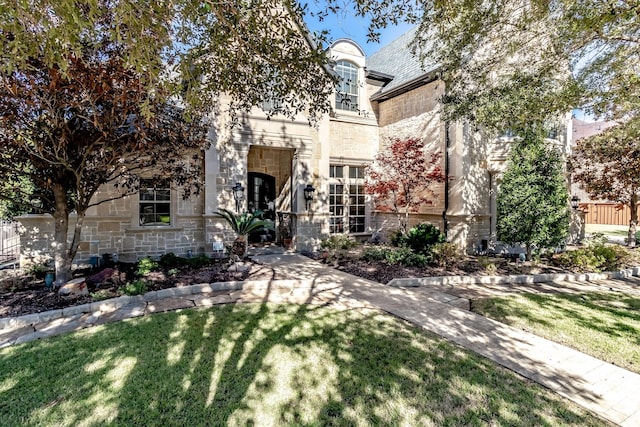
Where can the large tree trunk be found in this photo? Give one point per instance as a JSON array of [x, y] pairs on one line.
[[631, 241], [60, 245]]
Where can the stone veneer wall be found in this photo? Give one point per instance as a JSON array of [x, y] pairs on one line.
[[112, 228]]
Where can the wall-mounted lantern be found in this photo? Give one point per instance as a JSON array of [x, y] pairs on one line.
[[308, 195], [238, 195], [575, 202]]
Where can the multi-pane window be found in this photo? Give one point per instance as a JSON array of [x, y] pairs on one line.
[[347, 87], [347, 199], [155, 202]]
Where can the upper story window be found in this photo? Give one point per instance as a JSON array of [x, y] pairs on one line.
[[347, 87], [155, 202]]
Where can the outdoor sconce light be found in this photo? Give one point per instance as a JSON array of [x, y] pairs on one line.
[[308, 194], [238, 195], [575, 202]]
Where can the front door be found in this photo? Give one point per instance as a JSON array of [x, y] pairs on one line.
[[262, 196]]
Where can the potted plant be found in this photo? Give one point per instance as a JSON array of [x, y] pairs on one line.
[[243, 224]]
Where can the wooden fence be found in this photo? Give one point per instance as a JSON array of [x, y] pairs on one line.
[[606, 213]]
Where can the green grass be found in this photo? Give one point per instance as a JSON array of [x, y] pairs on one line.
[[612, 230], [266, 365], [605, 325]]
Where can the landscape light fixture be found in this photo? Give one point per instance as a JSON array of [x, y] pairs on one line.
[[238, 195], [308, 195], [575, 202]]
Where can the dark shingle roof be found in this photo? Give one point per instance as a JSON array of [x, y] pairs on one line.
[[397, 60]]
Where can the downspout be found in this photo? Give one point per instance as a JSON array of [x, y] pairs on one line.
[[447, 142]]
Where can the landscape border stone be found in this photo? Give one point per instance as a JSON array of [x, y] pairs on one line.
[[516, 279]]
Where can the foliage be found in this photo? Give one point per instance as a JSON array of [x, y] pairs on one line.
[[250, 52], [198, 261], [146, 266], [421, 237], [38, 271], [102, 294], [244, 223], [16, 196], [596, 258], [445, 254], [402, 177], [532, 198], [338, 241], [508, 64], [488, 265], [402, 256], [137, 287], [169, 260], [87, 123], [607, 164]]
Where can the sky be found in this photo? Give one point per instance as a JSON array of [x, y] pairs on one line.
[[346, 25]]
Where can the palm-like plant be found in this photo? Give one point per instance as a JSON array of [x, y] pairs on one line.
[[243, 224]]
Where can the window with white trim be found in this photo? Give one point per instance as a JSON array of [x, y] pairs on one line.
[[155, 202], [347, 199], [347, 87]]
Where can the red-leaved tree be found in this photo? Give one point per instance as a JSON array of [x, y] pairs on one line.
[[402, 176], [607, 166]]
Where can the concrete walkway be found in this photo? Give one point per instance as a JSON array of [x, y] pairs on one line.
[[605, 389], [602, 388]]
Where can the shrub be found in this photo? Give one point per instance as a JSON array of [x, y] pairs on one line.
[[597, 257], [421, 238], [396, 237], [146, 266], [445, 254], [102, 294], [338, 241], [198, 261], [488, 265], [403, 256], [137, 287], [38, 271], [170, 259]]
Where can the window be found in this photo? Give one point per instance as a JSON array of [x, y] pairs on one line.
[[347, 87], [347, 199], [155, 202]]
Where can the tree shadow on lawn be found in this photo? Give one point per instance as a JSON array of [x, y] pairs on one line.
[[265, 364]]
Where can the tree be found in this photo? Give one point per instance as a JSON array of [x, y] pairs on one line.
[[532, 197], [402, 176], [507, 64], [249, 51], [69, 133], [608, 167]]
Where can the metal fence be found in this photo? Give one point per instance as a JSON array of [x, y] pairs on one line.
[[9, 241]]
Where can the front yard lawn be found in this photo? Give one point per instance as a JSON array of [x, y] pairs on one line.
[[266, 365], [605, 325]]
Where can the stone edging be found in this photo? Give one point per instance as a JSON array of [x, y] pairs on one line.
[[519, 279]]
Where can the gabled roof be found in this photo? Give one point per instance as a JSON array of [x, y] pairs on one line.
[[396, 59]]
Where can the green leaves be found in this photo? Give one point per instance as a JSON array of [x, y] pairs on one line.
[[245, 223], [532, 198]]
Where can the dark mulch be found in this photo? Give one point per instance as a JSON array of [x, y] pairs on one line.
[[22, 294]]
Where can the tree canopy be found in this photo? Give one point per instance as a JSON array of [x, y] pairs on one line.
[[250, 51], [607, 166], [532, 197], [69, 133], [402, 176], [508, 64]]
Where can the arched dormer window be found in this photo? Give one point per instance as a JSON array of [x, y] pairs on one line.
[[347, 87]]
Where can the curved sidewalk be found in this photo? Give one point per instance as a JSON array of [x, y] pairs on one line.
[[600, 387]]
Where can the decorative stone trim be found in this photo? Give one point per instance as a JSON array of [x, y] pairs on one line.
[[519, 279]]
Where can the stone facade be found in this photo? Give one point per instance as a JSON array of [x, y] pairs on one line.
[[393, 98]]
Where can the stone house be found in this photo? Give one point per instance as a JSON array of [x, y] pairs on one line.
[[386, 95]]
